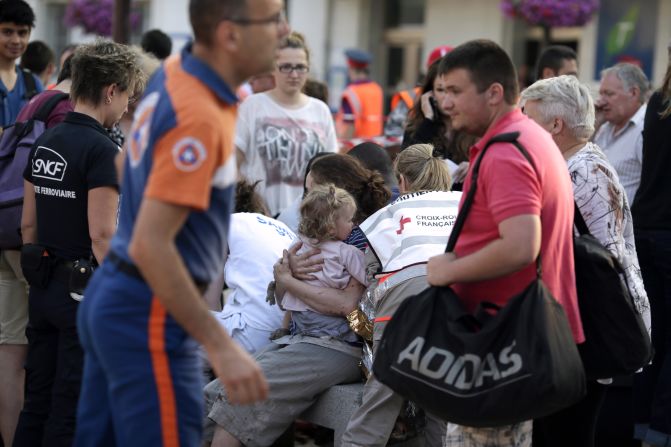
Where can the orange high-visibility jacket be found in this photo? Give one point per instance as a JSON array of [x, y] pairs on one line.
[[407, 96], [365, 99]]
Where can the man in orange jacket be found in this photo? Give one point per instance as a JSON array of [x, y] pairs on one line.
[[360, 114]]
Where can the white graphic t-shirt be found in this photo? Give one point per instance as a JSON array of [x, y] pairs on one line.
[[278, 143]]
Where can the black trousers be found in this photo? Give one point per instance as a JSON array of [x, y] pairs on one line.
[[53, 369], [574, 426], [652, 387]]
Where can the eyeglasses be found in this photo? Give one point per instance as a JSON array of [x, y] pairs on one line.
[[288, 68], [277, 19]]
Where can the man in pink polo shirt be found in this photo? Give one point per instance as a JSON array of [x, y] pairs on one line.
[[518, 212]]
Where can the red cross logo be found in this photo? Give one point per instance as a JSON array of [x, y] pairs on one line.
[[403, 221]]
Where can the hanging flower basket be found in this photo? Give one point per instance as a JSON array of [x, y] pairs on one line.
[[551, 13], [96, 16]]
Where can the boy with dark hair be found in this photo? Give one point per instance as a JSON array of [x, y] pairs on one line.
[[16, 86], [39, 59], [557, 60], [520, 210]]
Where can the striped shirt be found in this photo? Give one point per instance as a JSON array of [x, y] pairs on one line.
[[357, 238]]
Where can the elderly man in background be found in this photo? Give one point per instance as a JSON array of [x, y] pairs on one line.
[[622, 96]]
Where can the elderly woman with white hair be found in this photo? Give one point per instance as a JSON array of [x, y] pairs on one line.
[[564, 107]]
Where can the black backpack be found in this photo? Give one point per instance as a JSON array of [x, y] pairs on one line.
[[15, 144], [616, 340], [29, 83]]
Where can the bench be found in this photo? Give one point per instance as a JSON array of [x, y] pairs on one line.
[[334, 408]]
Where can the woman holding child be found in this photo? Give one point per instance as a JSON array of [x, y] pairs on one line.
[[299, 367], [306, 366]]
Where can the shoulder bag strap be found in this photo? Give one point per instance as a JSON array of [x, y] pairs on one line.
[[579, 221], [29, 83], [43, 112], [510, 137]]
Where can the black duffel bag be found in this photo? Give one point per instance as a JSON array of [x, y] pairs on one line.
[[616, 340], [519, 364]]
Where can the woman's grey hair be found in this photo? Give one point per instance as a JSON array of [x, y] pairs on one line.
[[563, 97], [631, 76]]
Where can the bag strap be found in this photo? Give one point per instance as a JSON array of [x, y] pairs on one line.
[[29, 83], [509, 137], [43, 112], [579, 221]]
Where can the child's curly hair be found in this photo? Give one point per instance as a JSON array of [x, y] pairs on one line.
[[319, 211]]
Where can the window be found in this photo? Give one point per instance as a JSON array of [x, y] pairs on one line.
[[404, 12]]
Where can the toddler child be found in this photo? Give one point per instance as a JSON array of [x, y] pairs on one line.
[[326, 221]]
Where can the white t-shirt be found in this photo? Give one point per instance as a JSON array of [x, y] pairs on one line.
[[278, 143], [255, 243]]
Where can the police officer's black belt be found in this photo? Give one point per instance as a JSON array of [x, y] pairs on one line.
[[130, 270]]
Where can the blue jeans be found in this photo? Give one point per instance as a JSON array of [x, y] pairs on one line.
[[652, 387]]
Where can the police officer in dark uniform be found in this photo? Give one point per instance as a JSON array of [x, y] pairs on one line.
[[69, 215]]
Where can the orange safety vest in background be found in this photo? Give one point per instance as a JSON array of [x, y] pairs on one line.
[[407, 96], [366, 100]]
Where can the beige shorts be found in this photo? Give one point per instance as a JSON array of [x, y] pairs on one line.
[[13, 299], [297, 374]]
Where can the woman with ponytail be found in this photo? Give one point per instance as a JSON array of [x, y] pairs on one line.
[[402, 237]]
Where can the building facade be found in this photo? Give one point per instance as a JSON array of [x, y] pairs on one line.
[[401, 33]]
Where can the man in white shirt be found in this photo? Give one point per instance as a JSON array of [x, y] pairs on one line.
[[622, 96]]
